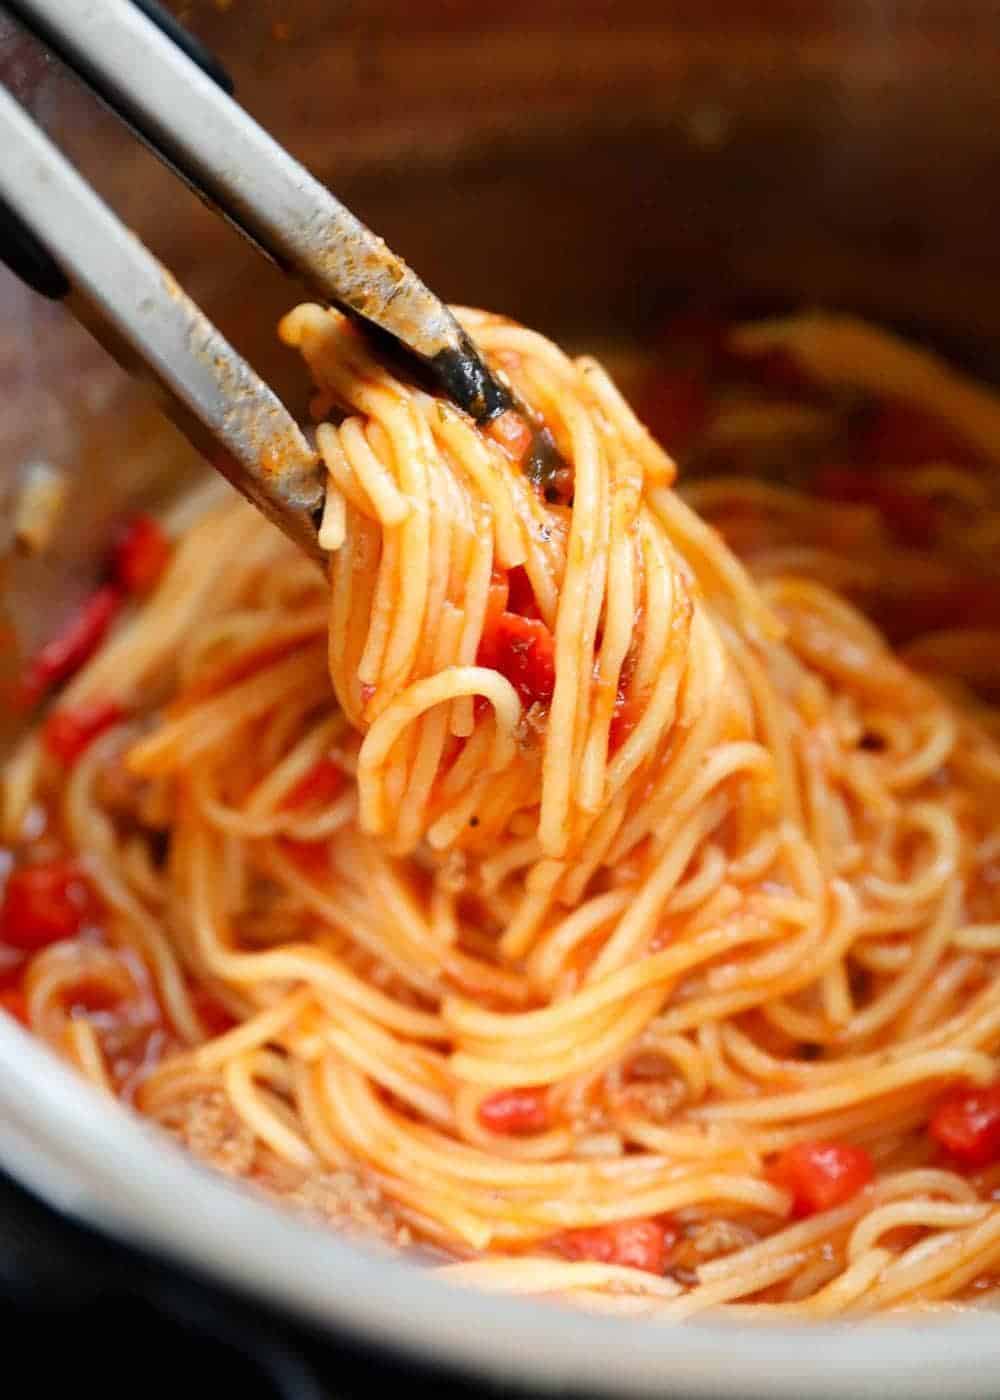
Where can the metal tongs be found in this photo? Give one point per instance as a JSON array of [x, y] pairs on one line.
[[61, 238]]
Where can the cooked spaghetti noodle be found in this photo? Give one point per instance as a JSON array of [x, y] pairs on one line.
[[619, 925]]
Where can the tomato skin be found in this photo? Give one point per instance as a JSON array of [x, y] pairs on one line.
[[515, 1112], [821, 1175], [966, 1123], [520, 594], [68, 733], [523, 650], [63, 656], [634, 1244], [322, 783], [141, 554], [515, 641], [44, 904]]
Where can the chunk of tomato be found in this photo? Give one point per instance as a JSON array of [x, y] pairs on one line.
[[515, 1112], [43, 904], [523, 650], [966, 1123], [821, 1175], [633, 1244], [63, 656], [141, 554], [68, 733]]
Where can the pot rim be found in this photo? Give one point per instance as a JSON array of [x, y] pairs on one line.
[[92, 1159]]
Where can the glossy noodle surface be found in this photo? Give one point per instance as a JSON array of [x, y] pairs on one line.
[[595, 881]]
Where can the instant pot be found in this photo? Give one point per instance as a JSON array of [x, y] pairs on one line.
[[586, 167]]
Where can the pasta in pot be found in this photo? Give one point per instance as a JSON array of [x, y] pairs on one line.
[[621, 923]]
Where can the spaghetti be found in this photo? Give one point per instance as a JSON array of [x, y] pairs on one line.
[[621, 926]]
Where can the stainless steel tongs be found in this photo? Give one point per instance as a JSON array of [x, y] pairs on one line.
[[58, 234]]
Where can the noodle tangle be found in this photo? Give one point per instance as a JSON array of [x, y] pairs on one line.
[[565, 942]]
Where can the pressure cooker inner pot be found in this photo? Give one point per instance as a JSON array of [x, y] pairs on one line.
[[584, 167]]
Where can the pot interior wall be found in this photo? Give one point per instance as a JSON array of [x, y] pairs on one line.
[[583, 166]]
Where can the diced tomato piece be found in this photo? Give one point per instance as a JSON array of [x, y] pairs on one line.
[[675, 406], [141, 554], [523, 650], [912, 517], [512, 431], [521, 595], [43, 904], [496, 606], [67, 733], [636, 1244], [322, 783], [76, 643], [15, 1003], [515, 1112], [966, 1123], [821, 1175], [212, 1014]]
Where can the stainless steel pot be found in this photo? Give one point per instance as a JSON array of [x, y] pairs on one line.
[[581, 165]]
